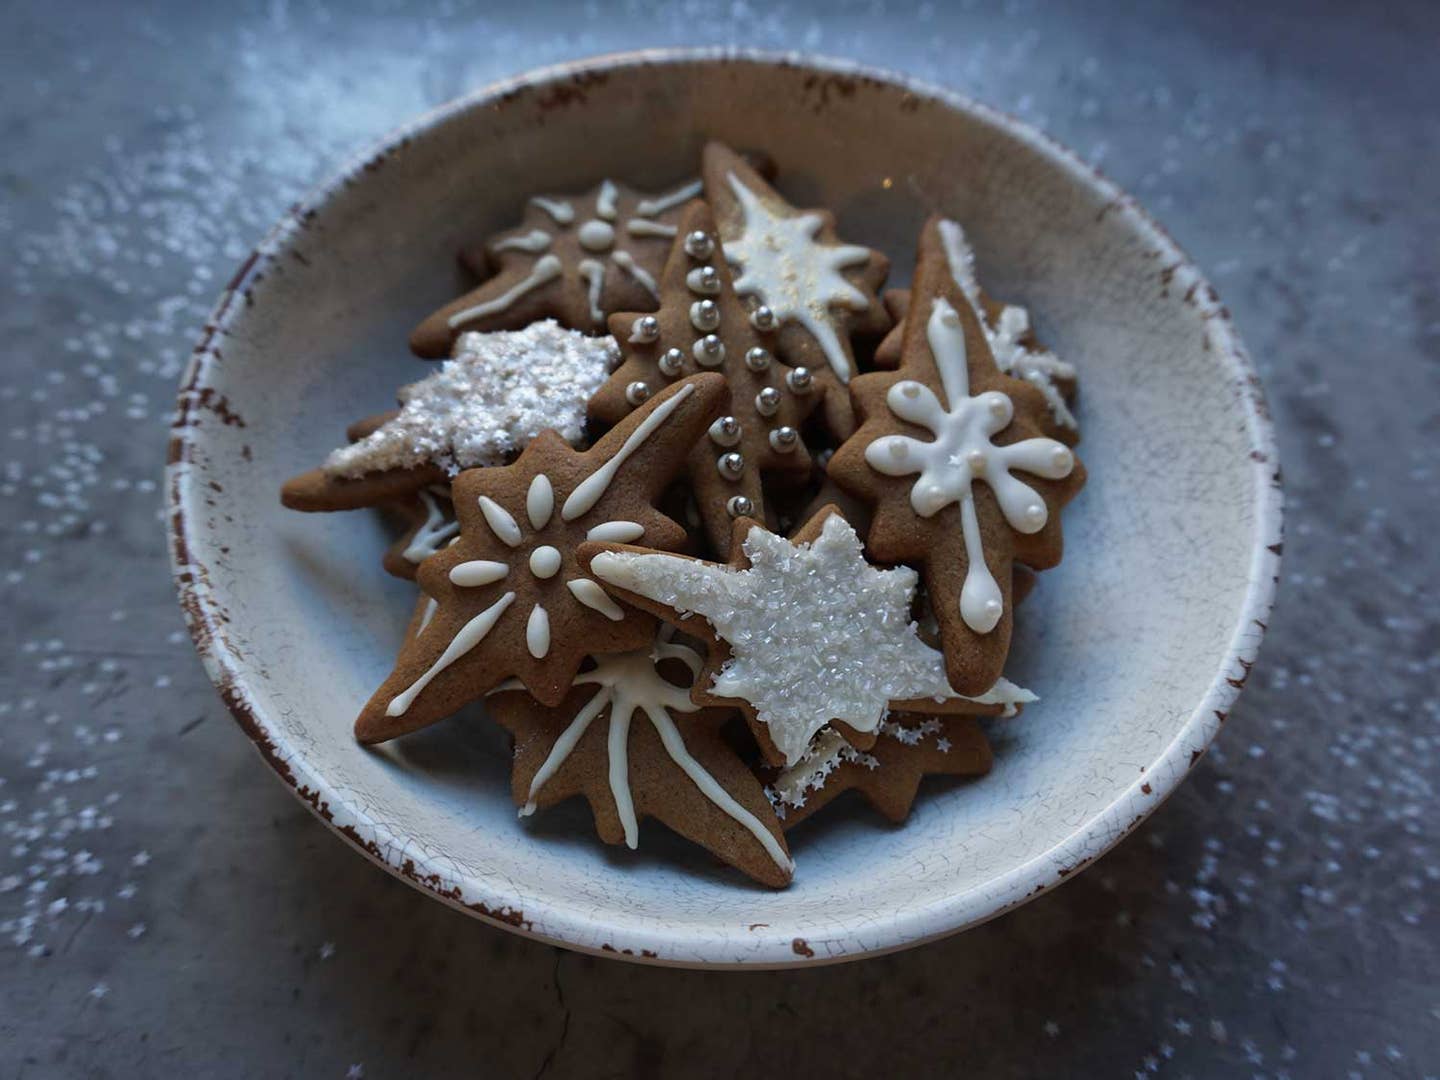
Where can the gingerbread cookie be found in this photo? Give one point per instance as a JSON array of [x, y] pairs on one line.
[[909, 747], [1013, 343], [936, 454], [800, 633], [429, 524], [520, 528], [481, 408], [629, 739], [575, 258], [702, 325], [792, 267]]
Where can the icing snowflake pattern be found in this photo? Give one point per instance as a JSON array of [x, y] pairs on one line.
[[783, 266], [962, 453]]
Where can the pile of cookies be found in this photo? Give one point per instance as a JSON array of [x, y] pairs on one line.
[[716, 531]]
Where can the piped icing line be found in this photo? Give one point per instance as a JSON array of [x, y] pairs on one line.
[[962, 452], [469, 635], [605, 200], [537, 632], [658, 205], [540, 501], [590, 490], [478, 572], [533, 242], [546, 269], [626, 262], [561, 211], [500, 520], [642, 227], [630, 683], [815, 632], [593, 271], [425, 616], [798, 279], [1039, 367], [434, 532], [618, 532], [595, 598]]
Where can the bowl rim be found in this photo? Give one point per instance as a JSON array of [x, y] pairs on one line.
[[557, 923]]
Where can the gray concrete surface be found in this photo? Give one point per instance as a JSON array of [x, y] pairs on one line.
[[167, 909]]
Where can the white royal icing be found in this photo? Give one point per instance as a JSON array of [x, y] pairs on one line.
[[540, 501], [481, 407], [561, 211], [619, 532], [596, 598], [546, 269], [593, 271], [962, 452], [626, 262], [589, 491], [1039, 367], [501, 523], [435, 531], [470, 635], [816, 633], [533, 242], [630, 683], [798, 279], [537, 632], [651, 207]]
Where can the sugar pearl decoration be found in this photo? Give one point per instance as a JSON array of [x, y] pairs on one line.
[[731, 465], [704, 315], [645, 330], [800, 380], [757, 358], [672, 362], [784, 439], [637, 393], [767, 401], [709, 351], [725, 431], [762, 318], [740, 506], [698, 244], [704, 280]]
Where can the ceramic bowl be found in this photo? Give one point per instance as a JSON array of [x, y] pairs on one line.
[[1137, 644]]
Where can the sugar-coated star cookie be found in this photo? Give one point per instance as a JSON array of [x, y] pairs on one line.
[[952, 454], [800, 633], [512, 599], [629, 739]]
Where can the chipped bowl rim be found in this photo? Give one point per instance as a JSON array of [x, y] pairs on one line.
[[559, 922]]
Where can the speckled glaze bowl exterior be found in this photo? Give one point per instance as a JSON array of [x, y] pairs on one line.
[[1137, 645]]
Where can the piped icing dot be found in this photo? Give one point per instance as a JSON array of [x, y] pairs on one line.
[[596, 235], [545, 561]]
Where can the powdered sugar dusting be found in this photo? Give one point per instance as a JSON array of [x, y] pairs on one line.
[[482, 407]]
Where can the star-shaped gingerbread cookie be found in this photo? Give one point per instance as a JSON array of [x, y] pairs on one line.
[[910, 747], [793, 269], [629, 739], [800, 633], [702, 325], [575, 258], [941, 441], [512, 599]]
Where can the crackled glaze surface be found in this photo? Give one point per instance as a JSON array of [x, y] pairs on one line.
[[1137, 644]]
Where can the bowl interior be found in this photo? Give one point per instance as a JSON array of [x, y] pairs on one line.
[[1125, 643]]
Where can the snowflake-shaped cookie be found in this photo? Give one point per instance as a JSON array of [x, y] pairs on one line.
[[792, 267], [575, 258], [511, 596], [938, 453], [802, 632], [702, 325], [631, 741]]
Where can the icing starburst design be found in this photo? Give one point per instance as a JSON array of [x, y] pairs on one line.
[[963, 452], [812, 633], [575, 258], [519, 530], [620, 688], [790, 263]]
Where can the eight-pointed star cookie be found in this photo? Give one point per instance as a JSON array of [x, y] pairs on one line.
[[702, 325], [815, 290], [936, 454], [520, 528], [1013, 344], [629, 739], [574, 258], [801, 633], [910, 746]]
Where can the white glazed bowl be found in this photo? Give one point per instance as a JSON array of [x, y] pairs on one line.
[[1137, 644]]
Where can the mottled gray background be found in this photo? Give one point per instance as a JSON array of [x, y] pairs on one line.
[[167, 908]]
